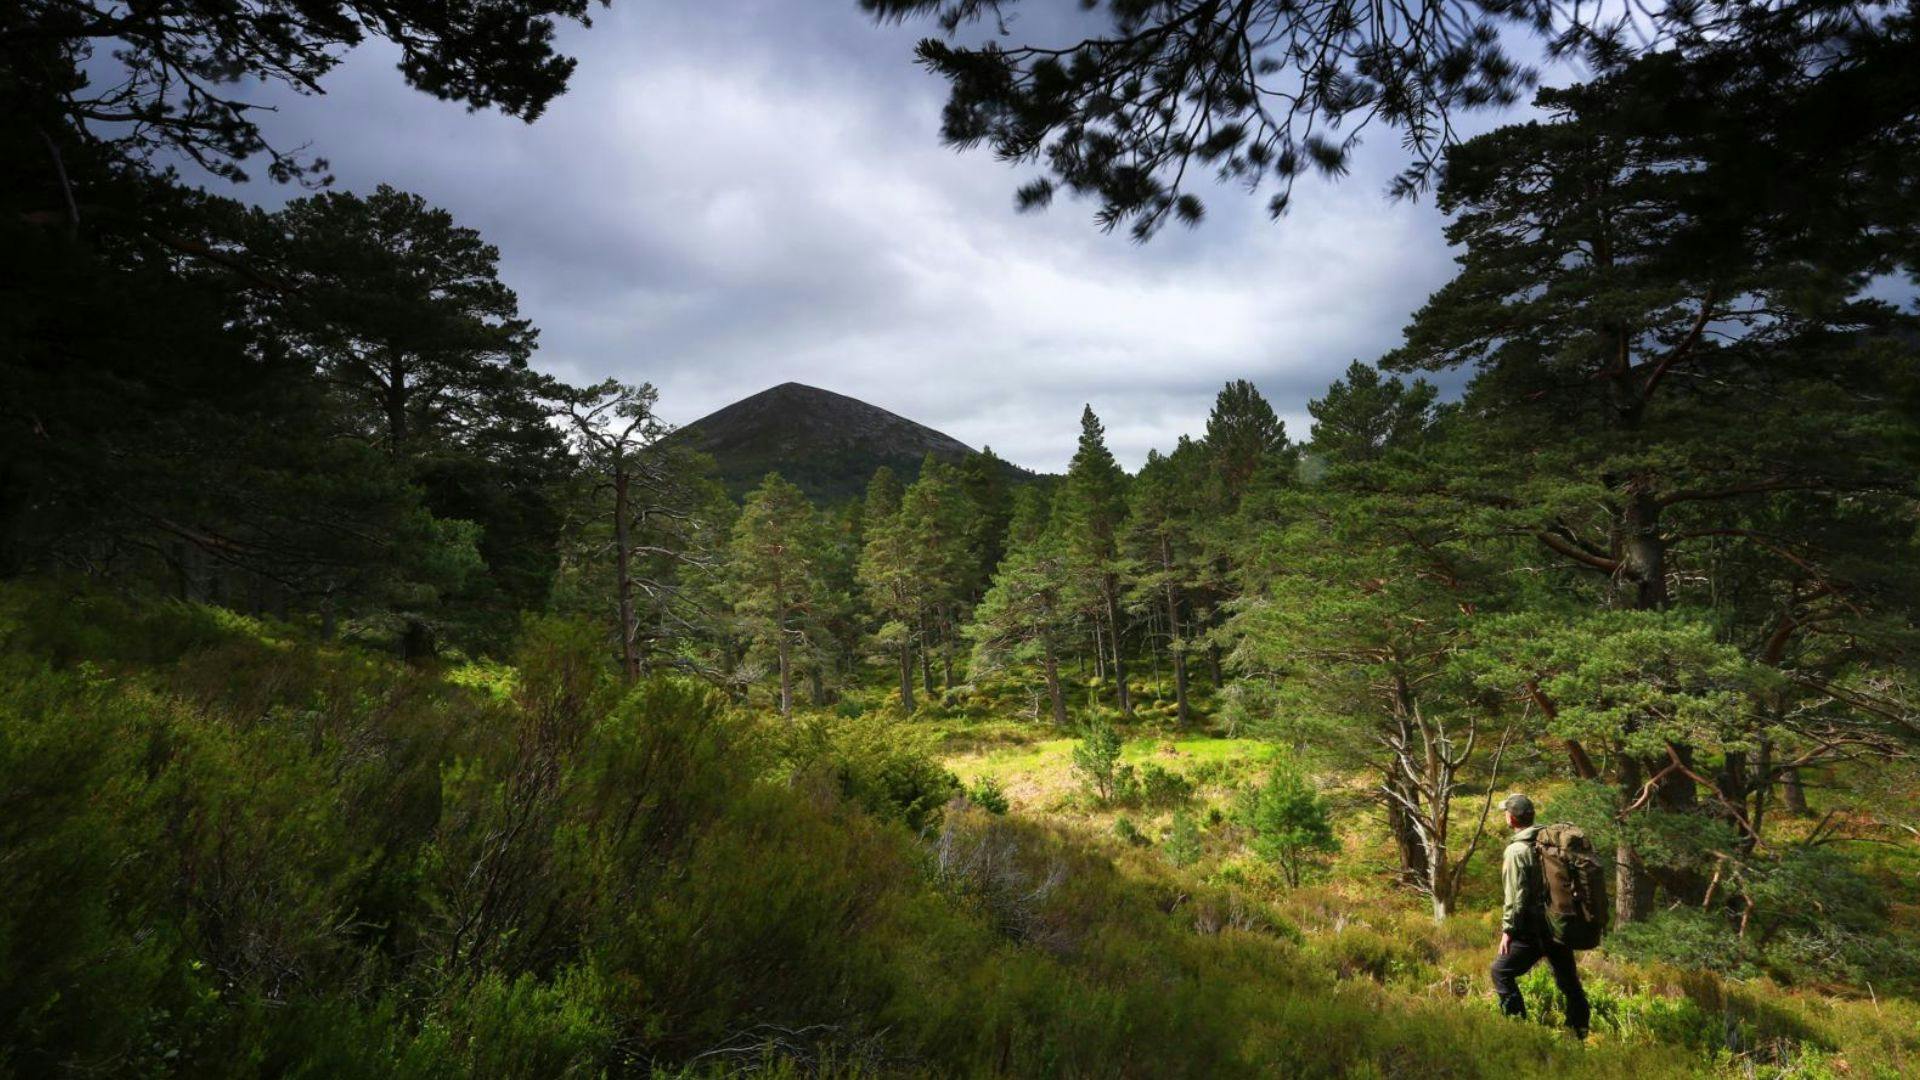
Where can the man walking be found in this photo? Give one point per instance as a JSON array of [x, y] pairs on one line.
[[1525, 937]]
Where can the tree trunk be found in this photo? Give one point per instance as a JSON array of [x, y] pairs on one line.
[[1441, 882], [926, 665], [394, 393], [1641, 584], [1439, 813], [1760, 786], [946, 646], [416, 641], [1058, 699], [1793, 794], [786, 676], [1213, 665], [1119, 662], [1177, 645], [906, 675], [1733, 783], [1642, 550], [1632, 887], [623, 564], [818, 685], [1679, 794], [1407, 841]]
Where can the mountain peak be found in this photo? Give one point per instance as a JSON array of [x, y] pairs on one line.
[[827, 443]]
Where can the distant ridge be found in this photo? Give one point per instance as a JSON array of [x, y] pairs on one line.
[[826, 443]]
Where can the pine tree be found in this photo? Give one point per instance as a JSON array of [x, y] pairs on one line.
[[1164, 507], [1678, 390], [1363, 416], [777, 573], [1248, 461], [1357, 605], [1027, 615], [401, 312], [643, 499], [883, 496], [1292, 825], [1244, 438], [930, 530], [78, 62], [983, 477], [1089, 513]]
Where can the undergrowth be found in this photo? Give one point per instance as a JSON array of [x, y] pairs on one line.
[[232, 851]]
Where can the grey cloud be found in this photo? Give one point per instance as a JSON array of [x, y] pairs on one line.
[[735, 194]]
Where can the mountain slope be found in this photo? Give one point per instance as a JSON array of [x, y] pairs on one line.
[[829, 444]]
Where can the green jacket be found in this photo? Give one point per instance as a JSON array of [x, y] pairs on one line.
[[1523, 910]]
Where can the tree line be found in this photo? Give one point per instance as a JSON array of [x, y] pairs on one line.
[[1666, 531]]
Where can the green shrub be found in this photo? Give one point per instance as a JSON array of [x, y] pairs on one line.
[[986, 794], [882, 764], [1685, 937], [1361, 952], [1182, 845], [1212, 771], [1291, 825], [1096, 760], [1163, 787]]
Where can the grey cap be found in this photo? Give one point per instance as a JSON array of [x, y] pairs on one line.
[[1517, 804]]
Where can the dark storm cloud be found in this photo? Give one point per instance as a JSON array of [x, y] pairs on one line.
[[736, 194]]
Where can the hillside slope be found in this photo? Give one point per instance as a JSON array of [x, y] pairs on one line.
[[235, 852], [829, 444]]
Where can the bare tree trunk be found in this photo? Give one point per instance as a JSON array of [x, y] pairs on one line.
[[1442, 885], [946, 644], [1404, 797], [1119, 662], [1177, 644], [1058, 699], [1406, 838]]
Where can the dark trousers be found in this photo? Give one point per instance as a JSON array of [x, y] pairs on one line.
[[1520, 958]]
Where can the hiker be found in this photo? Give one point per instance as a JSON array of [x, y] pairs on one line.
[[1525, 935]]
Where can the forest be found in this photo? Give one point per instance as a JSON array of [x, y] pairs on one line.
[[374, 702]]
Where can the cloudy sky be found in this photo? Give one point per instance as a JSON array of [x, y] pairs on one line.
[[739, 193]]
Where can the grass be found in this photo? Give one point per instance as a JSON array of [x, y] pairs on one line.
[[1356, 923]]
